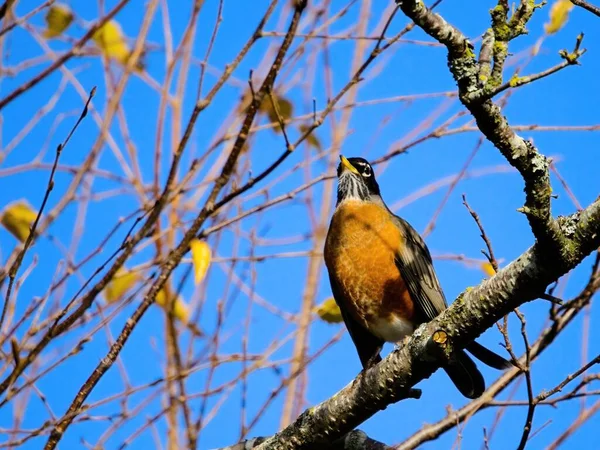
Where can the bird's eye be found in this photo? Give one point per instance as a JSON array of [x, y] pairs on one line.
[[367, 172]]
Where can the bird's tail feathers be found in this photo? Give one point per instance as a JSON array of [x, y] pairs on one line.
[[465, 375], [488, 357]]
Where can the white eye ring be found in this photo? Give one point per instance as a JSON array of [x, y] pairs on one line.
[[367, 172]]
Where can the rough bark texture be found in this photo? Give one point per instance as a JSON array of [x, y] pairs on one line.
[[561, 244], [472, 313], [355, 440]]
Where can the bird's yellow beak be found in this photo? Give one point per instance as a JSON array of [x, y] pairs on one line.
[[348, 166]]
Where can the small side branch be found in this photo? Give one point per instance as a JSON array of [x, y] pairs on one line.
[[569, 59], [520, 153], [14, 268], [490, 252], [477, 309], [586, 5]]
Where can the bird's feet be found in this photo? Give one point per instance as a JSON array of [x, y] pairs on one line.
[[372, 361]]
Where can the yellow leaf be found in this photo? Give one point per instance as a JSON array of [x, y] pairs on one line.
[[161, 298], [201, 256], [559, 14], [110, 40], [58, 19], [17, 218], [488, 269], [181, 311], [329, 311], [121, 283]]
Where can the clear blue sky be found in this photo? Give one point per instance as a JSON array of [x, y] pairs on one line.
[[569, 97]]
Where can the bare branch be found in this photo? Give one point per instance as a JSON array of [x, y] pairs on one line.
[[59, 62], [176, 255], [355, 440], [474, 311], [586, 5]]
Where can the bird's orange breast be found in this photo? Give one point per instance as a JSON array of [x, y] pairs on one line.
[[360, 255]]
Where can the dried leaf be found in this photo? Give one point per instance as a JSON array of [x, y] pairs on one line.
[[329, 311], [121, 283], [17, 218], [58, 19], [201, 256], [311, 140], [111, 42], [559, 14], [285, 107], [488, 269], [244, 102]]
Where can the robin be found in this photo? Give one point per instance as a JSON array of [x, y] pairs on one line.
[[382, 277]]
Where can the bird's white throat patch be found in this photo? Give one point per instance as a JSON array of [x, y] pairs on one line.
[[351, 187]]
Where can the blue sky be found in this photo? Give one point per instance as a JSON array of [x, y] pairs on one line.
[[566, 98]]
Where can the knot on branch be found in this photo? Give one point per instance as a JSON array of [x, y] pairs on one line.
[[433, 348], [437, 345]]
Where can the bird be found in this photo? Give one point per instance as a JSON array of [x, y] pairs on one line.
[[383, 280]]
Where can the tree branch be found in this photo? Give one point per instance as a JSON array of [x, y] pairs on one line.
[[545, 339], [521, 154], [354, 440], [474, 311], [591, 8], [561, 245], [176, 254]]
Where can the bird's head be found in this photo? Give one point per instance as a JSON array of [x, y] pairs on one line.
[[356, 180]]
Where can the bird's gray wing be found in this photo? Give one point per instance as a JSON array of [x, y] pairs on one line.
[[416, 267]]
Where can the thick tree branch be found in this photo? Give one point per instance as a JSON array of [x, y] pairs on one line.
[[545, 339], [474, 311], [521, 154], [561, 245], [354, 440], [177, 253]]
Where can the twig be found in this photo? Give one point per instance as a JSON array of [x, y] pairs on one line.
[[12, 272], [180, 250], [490, 252], [26, 17], [570, 59], [59, 62], [527, 371], [586, 5], [289, 147]]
